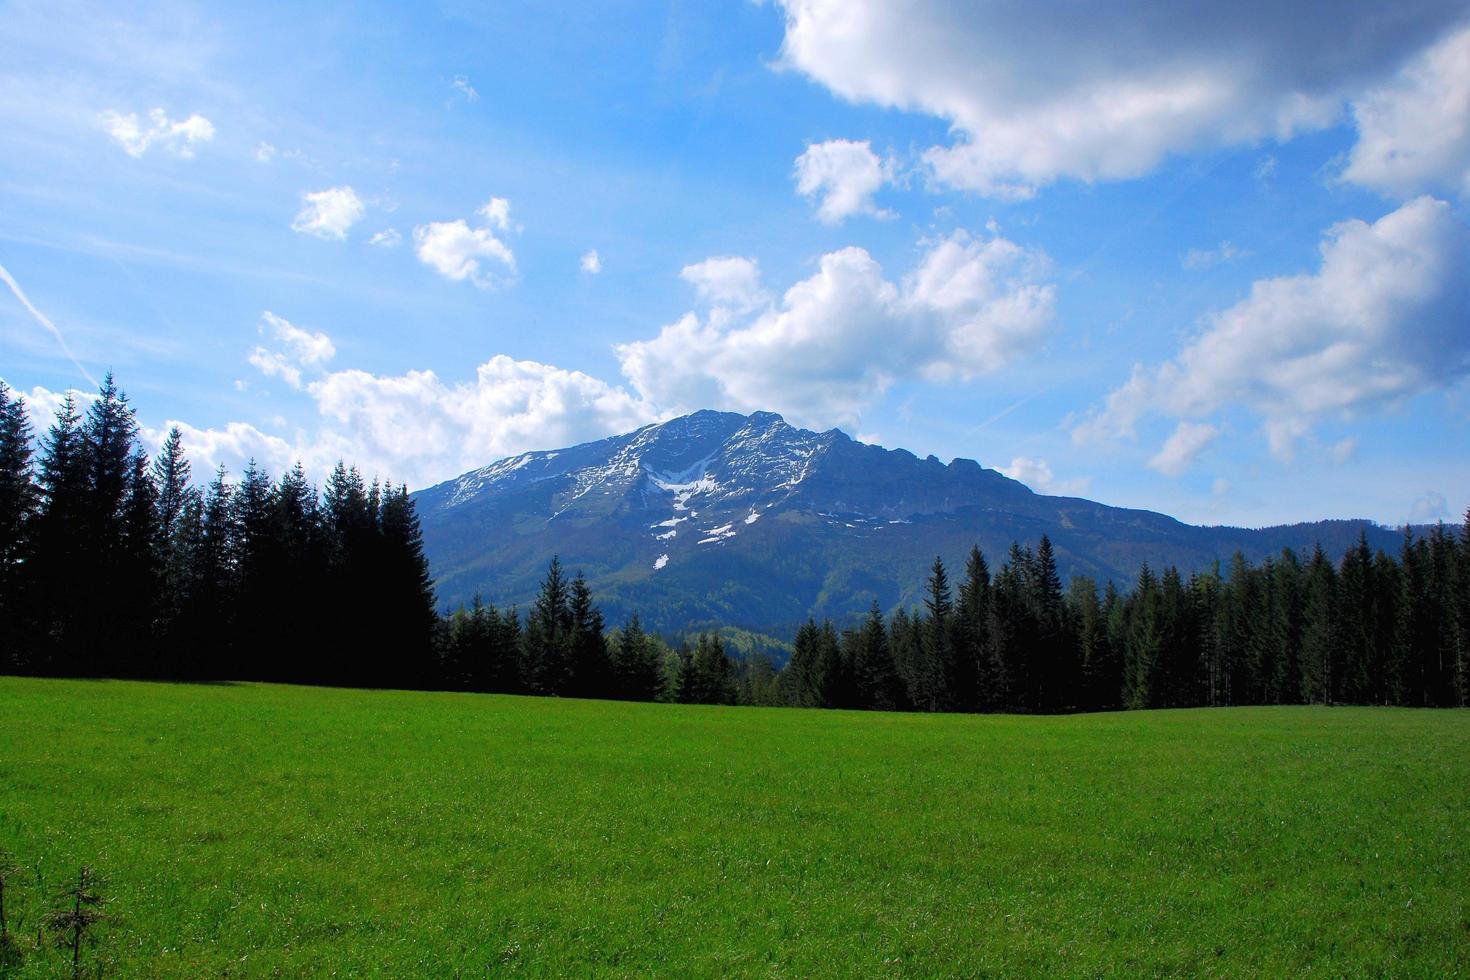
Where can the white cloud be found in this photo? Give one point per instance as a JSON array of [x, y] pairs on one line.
[[1037, 474], [265, 152], [457, 251], [274, 364], [1197, 258], [462, 85], [306, 347], [1414, 132], [837, 340], [135, 136], [43, 403], [497, 212], [303, 350], [421, 429], [1180, 449], [387, 238], [329, 213], [1383, 319], [1429, 509], [1036, 93], [845, 175], [1343, 450], [591, 262], [727, 281], [234, 444]]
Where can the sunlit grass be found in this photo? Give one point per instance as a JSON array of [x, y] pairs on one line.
[[257, 829]]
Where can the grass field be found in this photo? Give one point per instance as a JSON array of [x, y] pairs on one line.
[[255, 830]]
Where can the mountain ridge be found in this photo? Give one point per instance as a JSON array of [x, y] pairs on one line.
[[717, 518]]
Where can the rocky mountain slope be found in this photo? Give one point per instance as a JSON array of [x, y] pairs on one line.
[[719, 518]]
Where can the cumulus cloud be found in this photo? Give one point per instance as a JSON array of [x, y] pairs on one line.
[[730, 282], [1036, 93], [591, 262], [303, 349], [424, 426], [840, 338], [1180, 449], [841, 176], [274, 364], [1382, 319], [232, 445], [1037, 474], [497, 213], [329, 213], [1429, 508], [1414, 131], [305, 346], [458, 252], [136, 135], [420, 429]]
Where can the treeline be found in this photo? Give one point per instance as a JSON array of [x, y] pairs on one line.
[[1370, 629], [115, 565], [112, 564]]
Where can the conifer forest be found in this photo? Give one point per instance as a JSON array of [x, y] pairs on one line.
[[115, 564]]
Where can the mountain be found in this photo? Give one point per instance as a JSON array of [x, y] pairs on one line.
[[724, 519]]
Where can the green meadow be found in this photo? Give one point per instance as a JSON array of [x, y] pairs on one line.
[[257, 830]]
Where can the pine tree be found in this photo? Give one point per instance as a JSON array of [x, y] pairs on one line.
[[875, 674], [1108, 678], [712, 672], [140, 571], [1462, 616], [406, 614], [1053, 667], [936, 646], [171, 472], [636, 664], [807, 683], [1319, 656], [590, 667], [18, 503], [1086, 612], [1388, 618], [1205, 590], [1145, 639], [976, 676], [547, 665], [59, 545], [1355, 629]]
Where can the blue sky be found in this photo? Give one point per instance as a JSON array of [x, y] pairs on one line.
[[1208, 262]]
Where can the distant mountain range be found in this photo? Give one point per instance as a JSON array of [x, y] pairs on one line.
[[732, 520]]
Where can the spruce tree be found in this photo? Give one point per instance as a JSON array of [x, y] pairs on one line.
[[590, 667], [18, 504], [547, 664], [1144, 642], [976, 675], [59, 544], [806, 681], [636, 663], [1319, 656], [936, 647], [875, 674]]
